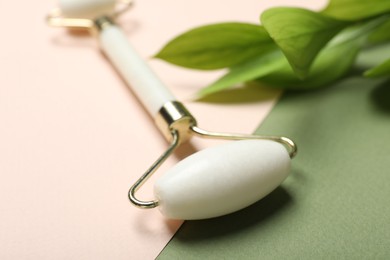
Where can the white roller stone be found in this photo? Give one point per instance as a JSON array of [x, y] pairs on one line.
[[222, 179], [86, 8]]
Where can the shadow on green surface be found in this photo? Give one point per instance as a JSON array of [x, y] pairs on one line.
[[254, 215], [380, 96]]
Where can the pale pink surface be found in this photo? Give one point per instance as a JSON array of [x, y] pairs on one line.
[[73, 138]]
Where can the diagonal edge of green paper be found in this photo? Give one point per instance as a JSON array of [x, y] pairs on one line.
[[335, 203]]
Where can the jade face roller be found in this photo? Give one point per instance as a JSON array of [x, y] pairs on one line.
[[210, 183]]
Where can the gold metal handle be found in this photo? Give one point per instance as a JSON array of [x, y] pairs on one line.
[[154, 203]]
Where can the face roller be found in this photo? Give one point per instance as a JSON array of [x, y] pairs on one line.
[[210, 183]]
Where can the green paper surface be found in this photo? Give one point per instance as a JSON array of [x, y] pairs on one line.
[[336, 202]]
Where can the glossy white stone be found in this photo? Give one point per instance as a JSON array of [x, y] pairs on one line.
[[222, 179], [86, 8]]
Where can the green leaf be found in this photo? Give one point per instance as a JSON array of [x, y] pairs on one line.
[[217, 46], [300, 34], [250, 70], [379, 71], [360, 31], [332, 62], [381, 34], [354, 10], [328, 67]]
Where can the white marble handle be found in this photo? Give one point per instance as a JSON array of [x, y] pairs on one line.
[[142, 80]]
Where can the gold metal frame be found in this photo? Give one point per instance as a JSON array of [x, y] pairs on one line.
[[179, 126]]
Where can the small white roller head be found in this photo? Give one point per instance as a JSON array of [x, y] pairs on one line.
[[222, 179], [86, 8]]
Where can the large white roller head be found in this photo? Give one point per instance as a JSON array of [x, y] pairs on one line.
[[222, 179], [86, 8]]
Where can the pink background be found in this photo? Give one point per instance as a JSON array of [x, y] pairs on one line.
[[73, 138]]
